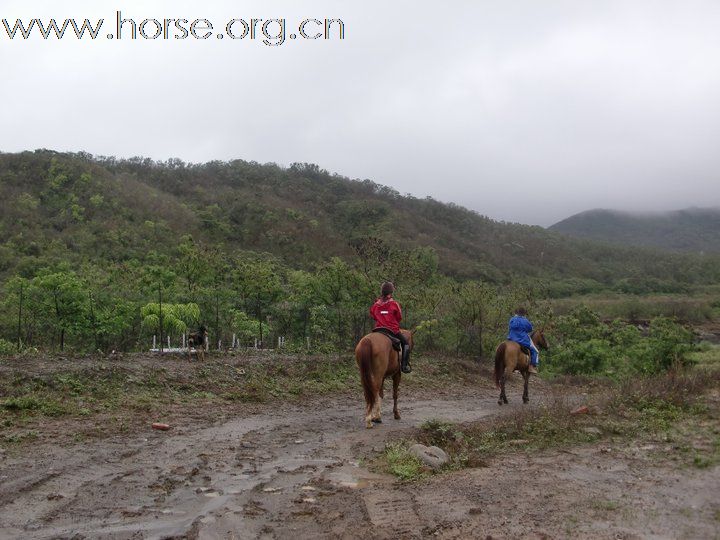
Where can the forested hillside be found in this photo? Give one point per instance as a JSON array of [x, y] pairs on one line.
[[691, 230], [87, 242]]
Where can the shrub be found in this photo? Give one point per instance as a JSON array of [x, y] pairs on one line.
[[6, 347], [585, 345]]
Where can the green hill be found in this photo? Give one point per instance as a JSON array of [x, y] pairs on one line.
[[77, 208], [690, 230], [88, 242]]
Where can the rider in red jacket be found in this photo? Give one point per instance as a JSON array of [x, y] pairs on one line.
[[388, 314]]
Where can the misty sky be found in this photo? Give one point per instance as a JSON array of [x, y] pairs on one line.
[[525, 111]]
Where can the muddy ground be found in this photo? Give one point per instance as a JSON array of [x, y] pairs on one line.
[[303, 469]]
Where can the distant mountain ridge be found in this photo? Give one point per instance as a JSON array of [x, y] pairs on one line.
[[689, 230]]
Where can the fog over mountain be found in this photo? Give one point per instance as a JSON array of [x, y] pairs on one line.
[[689, 230], [524, 111]]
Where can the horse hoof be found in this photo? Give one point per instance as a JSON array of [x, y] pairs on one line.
[[500, 402], [368, 425], [377, 421], [526, 401], [397, 417]]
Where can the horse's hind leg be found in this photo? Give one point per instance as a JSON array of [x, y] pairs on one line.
[[396, 385], [503, 397], [379, 396], [368, 416], [526, 396], [377, 412]]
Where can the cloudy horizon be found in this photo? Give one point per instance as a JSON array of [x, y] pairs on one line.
[[522, 112]]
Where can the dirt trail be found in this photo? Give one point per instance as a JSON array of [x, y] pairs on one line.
[[248, 476], [296, 471]]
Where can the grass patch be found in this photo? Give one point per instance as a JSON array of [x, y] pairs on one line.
[[90, 386], [605, 505], [676, 405], [402, 463], [33, 404]]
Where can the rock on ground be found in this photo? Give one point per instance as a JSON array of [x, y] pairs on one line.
[[432, 456]]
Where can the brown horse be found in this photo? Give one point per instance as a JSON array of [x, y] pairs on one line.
[[377, 360], [509, 357]]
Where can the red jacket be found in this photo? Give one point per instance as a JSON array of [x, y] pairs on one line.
[[387, 314]]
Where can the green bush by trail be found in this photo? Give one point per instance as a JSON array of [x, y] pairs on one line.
[[585, 345]]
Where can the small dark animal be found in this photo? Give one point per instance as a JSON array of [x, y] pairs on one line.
[[198, 341]]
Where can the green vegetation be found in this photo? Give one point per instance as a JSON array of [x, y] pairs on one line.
[[694, 229], [402, 463], [584, 345], [698, 308], [265, 251], [677, 407]]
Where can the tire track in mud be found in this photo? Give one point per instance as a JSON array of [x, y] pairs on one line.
[[285, 473]]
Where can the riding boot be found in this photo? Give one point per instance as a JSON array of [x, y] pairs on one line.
[[405, 364]]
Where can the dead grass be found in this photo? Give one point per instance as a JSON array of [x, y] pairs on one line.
[[92, 389]]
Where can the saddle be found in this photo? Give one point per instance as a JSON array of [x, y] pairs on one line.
[[396, 343], [525, 350]]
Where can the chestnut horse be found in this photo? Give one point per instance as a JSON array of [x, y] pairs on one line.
[[509, 357], [377, 360]]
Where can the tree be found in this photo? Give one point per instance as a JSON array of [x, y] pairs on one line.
[[245, 327], [64, 301], [174, 317], [259, 285]]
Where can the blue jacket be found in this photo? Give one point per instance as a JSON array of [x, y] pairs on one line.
[[520, 329]]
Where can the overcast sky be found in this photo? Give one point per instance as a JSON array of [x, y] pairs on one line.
[[525, 111]]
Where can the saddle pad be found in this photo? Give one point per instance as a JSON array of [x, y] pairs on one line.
[[396, 343]]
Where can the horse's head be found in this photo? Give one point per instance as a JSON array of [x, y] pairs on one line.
[[539, 339]]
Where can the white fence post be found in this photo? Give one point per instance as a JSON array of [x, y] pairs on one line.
[[154, 342]]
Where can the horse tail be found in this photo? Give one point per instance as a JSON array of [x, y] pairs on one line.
[[364, 356], [499, 362]]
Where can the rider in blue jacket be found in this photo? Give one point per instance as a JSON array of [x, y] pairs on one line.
[[520, 330]]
